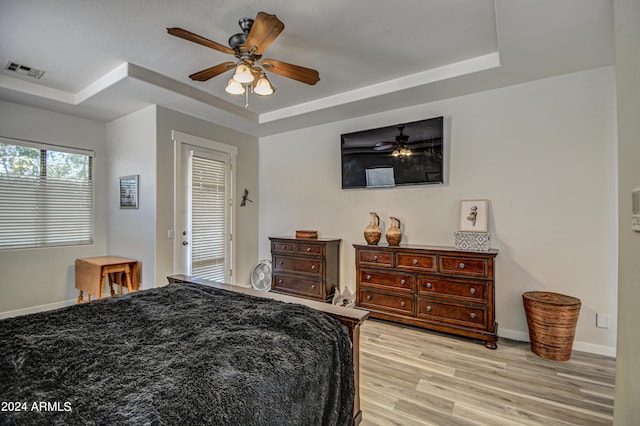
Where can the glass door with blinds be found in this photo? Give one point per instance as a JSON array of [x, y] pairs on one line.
[[206, 225]]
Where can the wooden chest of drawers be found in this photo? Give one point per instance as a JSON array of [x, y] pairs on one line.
[[438, 288], [306, 268]]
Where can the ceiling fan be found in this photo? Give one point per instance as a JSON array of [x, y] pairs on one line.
[[399, 145], [248, 48]]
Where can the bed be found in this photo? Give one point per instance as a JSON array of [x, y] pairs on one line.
[[192, 352]]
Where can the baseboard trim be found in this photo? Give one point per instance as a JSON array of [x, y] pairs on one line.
[[578, 346], [39, 308]]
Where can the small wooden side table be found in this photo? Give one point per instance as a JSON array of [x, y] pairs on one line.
[[92, 271]]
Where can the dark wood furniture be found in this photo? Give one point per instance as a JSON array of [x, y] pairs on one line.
[[351, 318], [438, 288], [308, 268]]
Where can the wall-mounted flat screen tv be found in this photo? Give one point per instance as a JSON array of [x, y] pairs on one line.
[[403, 154]]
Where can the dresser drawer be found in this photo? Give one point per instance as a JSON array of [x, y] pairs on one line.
[[388, 280], [312, 249], [467, 316], [282, 247], [375, 257], [386, 302], [475, 291], [464, 266], [416, 262], [296, 285], [294, 264]]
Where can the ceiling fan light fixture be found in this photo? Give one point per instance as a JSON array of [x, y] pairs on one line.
[[263, 86], [243, 74], [395, 153], [234, 88], [248, 48]]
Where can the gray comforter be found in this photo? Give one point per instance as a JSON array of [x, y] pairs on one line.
[[181, 354]]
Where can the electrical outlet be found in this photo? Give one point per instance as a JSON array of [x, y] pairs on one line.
[[602, 321]]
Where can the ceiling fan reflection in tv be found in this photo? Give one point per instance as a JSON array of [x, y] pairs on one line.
[[403, 154]]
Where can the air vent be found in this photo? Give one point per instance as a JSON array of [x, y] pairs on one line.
[[24, 70]]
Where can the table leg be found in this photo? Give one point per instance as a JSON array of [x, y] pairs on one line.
[[127, 272], [101, 286], [80, 297], [110, 277]]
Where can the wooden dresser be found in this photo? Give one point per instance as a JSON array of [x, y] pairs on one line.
[[438, 288], [308, 268]]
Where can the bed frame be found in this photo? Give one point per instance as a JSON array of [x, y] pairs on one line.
[[351, 318]]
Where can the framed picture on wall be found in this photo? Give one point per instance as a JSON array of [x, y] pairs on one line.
[[129, 192], [474, 216]]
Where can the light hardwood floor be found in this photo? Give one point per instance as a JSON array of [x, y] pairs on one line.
[[410, 376]]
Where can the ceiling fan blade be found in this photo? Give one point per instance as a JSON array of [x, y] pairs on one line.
[[382, 147], [302, 74], [187, 35], [209, 73], [265, 29]]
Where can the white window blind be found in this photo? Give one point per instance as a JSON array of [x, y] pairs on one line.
[[208, 218], [46, 195]]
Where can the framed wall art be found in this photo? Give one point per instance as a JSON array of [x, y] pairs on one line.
[[129, 192], [474, 216]]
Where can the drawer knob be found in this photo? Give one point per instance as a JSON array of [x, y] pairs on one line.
[[313, 267], [472, 291], [429, 308], [279, 281], [461, 265], [368, 277], [368, 297], [472, 315], [415, 261], [403, 282], [308, 249], [313, 286], [429, 285], [375, 258], [284, 247], [403, 304]]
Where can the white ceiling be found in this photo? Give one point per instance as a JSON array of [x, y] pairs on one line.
[[107, 58]]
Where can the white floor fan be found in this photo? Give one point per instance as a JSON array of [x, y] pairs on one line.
[[261, 276]]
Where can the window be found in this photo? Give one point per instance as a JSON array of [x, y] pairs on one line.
[[46, 195], [209, 218]]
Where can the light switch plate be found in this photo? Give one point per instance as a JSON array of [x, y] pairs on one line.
[[635, 205], [602, 321]]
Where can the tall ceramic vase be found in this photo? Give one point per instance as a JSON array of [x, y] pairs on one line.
[[372, 232], [394, 233]]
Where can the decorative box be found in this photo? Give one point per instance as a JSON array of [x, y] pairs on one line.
[[312, 235], [478, 241]]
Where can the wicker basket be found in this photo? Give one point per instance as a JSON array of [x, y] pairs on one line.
[[552, 319]]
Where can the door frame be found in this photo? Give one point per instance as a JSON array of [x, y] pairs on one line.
[[181, 139]]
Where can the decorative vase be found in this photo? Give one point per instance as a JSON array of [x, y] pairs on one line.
[[372, 232], [394, 234]]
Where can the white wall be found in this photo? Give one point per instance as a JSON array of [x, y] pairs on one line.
[[131, 150], [141, 143], [35, 277], [246, 218], [137, 144], [543, 153], [627, 26]]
